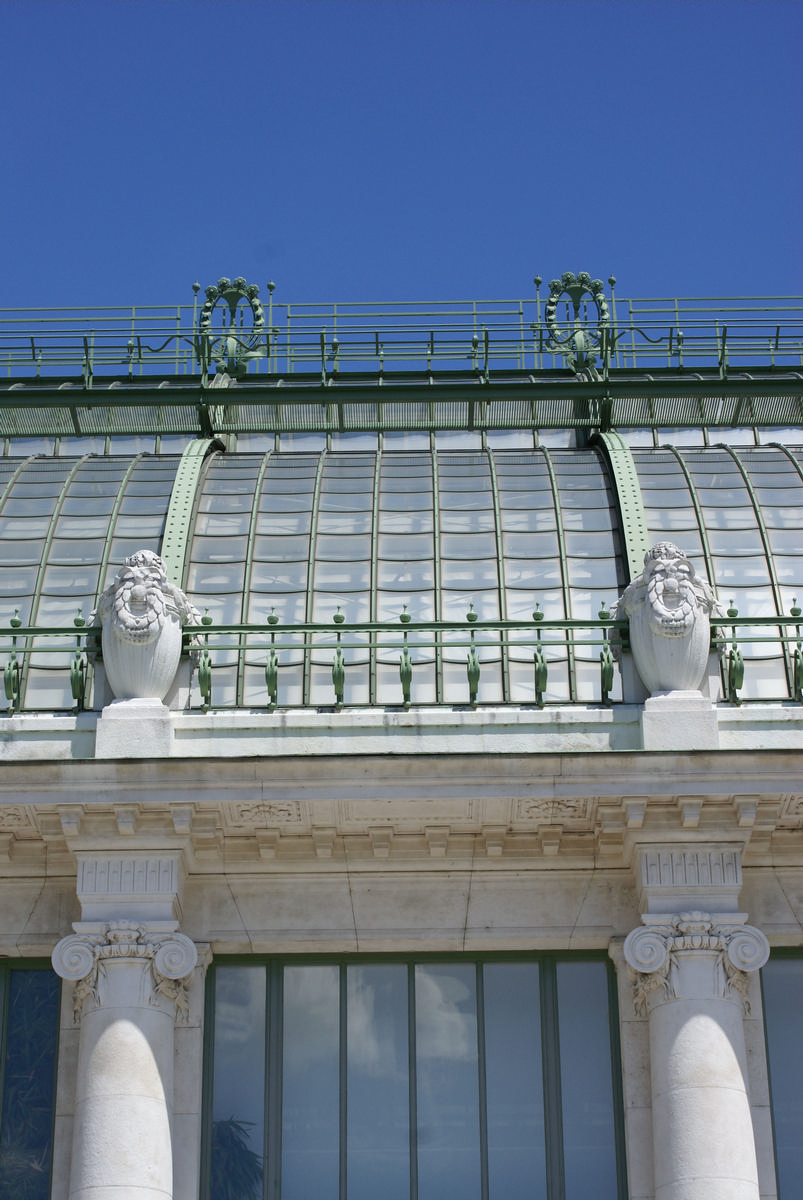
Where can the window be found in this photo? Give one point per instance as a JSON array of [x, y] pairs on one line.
[[428, 1079], [782, 991], [29, 1013]]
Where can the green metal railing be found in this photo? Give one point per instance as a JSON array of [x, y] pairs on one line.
[[333, 340], [276, 650]]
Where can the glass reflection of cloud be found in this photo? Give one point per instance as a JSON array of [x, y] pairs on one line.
[[310, 1012], [371, 1042], [239, 993], [442, 1030]]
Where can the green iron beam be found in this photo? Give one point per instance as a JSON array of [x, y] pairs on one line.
[[179, 512], [628, 495]]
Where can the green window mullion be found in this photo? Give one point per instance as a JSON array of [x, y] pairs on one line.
[[14, 477], [413, 1081], [372, 654], [709, 561], [617, 1091], [40, 577], [436, 541], [249, 567], [481, 1080], [500, 571], [344, 1053], [313, 538], [553, 1103], [765, 541], [564, 569], [274, 1007]]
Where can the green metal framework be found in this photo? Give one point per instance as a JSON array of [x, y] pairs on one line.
[[337, 367], [175, 542], [628, 493]]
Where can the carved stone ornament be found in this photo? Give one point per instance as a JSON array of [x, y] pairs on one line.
[[142, 615], [652, 952], [669, 608], [167, 958]]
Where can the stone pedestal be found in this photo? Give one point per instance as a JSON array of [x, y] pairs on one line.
[[681, 720], [691, 980], [134, 729]]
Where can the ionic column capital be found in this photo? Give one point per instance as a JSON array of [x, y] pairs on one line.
[[658, 951], [128, 964]]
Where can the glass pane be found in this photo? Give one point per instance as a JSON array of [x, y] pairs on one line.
[[378, 1083], [447, 1082], [782, 984], [585, 1071], [311, 1084], [25, 1141], [238, 1104], [516, 1154]]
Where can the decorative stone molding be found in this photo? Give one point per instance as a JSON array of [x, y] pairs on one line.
[[678, 876], [166, 957], [652, 953], [669, 607], [142, 615], [129, 885]]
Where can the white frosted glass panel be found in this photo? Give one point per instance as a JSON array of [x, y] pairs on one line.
[[741, 571], [530, 545], [524, 519], [521, 603], [238, 502], [223, 609], [468, 576], [14, 527], [289, 608], [601, 545], [405, 576], [238, 1103], [340, 522], [415, 521], [355, 686], [456, 689], [219, 549], [593, 572], [422, 688], [83, 526], [283, 522], [142, 525], [346, 547], [49, 689], [311, 1083], [515, 1096], [279, 576], [447, 1082], [17, 581], [587, 1097], [206, 578], [281, 548], [588, 519], [536, 575], [469, 546], [525, 498], [468, 520], [74, 580], [225, 524], [344, 575]]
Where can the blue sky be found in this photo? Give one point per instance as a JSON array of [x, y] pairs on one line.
[[399, 149]]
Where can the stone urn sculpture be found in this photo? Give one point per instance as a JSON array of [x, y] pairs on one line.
[[669, 608], [142, 615]]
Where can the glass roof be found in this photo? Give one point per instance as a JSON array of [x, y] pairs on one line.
[[304, 531]]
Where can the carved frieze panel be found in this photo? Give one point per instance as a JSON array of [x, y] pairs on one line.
[[261, 814], [545, 809]]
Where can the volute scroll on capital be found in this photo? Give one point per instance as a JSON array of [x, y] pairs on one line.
[[168, 958], [653, 953]]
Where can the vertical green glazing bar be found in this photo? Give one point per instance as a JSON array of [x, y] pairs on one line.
[[436, 542], [313, 538], [413, 1081], [564, 568], [617, 1092], [765, 542], [372, 653], [481, 1080], [500, 570], [249, 568], [550, 1057], [40, 575], [208, 1082]]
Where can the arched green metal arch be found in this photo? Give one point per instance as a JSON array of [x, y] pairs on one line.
[[629, 499], [179, 513]]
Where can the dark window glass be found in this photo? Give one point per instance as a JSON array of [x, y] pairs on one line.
[[28, 1072]]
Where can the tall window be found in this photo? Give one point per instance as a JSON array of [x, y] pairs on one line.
[[29, 1012], [782, 990], [425, 1079]]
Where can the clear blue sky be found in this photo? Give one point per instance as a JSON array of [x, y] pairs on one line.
[[399, 149]]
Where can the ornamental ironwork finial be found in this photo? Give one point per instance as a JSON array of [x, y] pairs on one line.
[[236, 344], [573, 336]]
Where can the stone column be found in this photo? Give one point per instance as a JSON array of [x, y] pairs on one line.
[[129, 990], [692, 980]]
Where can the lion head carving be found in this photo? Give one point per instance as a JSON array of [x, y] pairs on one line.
[[142, 598]]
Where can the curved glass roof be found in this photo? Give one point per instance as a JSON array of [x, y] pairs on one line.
[[302, 532]]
